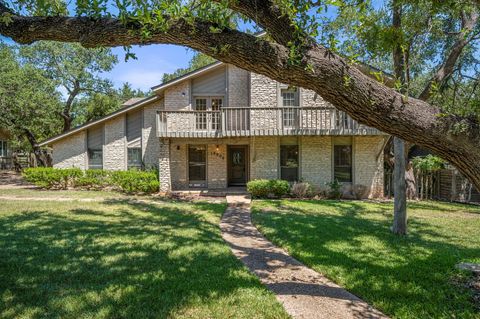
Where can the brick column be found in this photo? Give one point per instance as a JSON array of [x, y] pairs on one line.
[[164, 166]]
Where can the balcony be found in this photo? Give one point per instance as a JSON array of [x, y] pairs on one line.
[[256, 121]]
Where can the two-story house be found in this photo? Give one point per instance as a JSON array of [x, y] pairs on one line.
[[222, 126]]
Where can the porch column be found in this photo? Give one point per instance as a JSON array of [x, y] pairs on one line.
[[164, 166]]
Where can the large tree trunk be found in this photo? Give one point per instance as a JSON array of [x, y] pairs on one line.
[[410, 180], [36, 149], [67, 109], [321, 70], [399, 185], [400, 199]]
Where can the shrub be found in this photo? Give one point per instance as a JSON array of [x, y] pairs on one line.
[[335, 191], [94, 179], [134, 181], [360, 191], [302, 190], [279, 187], [264, 188], [48, 177], [258, 188]]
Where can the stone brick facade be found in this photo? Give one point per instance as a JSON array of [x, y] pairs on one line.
[[316, 160], [264, 157], [243, 89], [115, 148], [71, 151], [164, 166], [150, 141], [368, 164]]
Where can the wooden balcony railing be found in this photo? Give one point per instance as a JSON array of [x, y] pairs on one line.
[[256, 121]]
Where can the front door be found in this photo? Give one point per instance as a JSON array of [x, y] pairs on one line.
[[237, 165]]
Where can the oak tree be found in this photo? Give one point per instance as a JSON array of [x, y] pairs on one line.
[[291, 53]]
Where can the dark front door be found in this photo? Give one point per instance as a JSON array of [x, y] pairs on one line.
[[237, 165]]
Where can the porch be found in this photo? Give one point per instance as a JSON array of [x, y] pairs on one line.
[[258, 121]]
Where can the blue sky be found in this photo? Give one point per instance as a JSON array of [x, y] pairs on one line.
[[151, 63]]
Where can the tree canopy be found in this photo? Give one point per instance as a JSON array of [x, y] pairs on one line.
[[27, 99], [299, 49], [78, 71]]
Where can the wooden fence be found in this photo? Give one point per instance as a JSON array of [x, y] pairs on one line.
[[447, 184]]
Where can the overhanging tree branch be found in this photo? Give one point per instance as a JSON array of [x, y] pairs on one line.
[[322, 71], [463, 38]]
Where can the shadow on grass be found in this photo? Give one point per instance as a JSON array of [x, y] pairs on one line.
[[351, 243], [120, 263]]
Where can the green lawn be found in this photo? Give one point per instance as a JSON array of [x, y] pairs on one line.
[[350, 242], [117, 258]]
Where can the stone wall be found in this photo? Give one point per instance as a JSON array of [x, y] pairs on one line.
[[368, 163], [115, 148], [164, 169], [150, 141], [316, 160], [264, 157], [216, 160], [71, 151]]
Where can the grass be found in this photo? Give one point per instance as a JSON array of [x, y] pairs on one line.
[[351, 243], [41, 193], [121, 258]]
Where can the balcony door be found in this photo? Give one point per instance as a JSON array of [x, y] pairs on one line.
[[207, 115]]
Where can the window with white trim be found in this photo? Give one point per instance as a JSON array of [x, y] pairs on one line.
[[208, 116], [290, 102]]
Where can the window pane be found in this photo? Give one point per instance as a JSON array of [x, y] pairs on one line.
[[217, 103], [197, 156], [289, 162], [134, 157], [343, 163], [201, 118], [290, 97], [95, 159]]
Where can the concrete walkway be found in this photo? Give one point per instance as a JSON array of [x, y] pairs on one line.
[[303, 292]]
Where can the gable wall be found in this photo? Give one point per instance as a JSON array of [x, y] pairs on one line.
[[238, 87], [71, 151]]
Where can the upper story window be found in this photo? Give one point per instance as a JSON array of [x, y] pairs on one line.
[[290, 100], [290, 97], [3, 148], [95, 147], [342, 159]]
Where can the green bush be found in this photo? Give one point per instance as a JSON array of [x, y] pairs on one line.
[[335, 191], [94, 179], [134, 181], [264, 188], [258, 188], [48, 177], [302, 190]]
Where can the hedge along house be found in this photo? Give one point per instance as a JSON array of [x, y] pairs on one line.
[[222, 126]]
